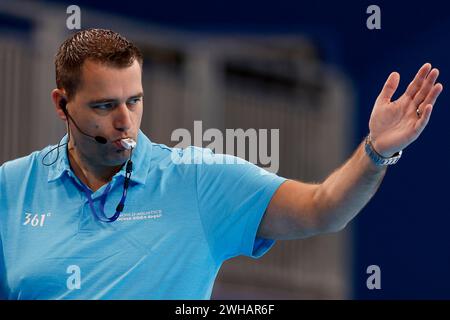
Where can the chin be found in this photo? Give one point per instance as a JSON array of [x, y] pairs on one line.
[[118, 158]]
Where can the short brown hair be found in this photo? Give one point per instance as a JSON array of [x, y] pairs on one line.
[[100, 45]]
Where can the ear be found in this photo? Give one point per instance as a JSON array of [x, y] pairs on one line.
[[59, 100]]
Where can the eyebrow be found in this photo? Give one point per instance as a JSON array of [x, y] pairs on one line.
[[102, 101]]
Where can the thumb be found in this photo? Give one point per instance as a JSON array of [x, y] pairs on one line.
[[389, 87]]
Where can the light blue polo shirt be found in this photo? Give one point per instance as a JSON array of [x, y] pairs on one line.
[[182, 220]]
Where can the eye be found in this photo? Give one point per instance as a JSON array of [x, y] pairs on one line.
[[134, 101], [103, 106]]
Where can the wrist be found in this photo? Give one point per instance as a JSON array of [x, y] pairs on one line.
[[378, 149], [377, 158]]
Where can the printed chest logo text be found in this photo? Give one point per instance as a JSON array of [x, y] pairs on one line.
[[36, 220], [136, 216]]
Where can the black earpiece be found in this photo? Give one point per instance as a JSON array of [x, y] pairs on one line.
[[63, 105]]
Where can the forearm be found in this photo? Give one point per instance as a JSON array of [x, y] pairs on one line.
[[345, 192]]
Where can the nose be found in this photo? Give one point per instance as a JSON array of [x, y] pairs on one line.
[[122, 118]]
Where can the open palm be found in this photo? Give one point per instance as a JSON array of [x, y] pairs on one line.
[[396, 124]]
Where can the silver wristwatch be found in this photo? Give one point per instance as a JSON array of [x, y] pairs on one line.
[[378, 159]]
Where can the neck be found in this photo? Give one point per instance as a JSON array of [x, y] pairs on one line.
[[93, 176]]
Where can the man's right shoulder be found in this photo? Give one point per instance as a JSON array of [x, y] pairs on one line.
[[21, 166]]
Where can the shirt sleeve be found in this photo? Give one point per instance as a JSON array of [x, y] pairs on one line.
[[233, 195]]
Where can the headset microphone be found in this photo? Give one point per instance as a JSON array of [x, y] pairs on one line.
[[99, 139]]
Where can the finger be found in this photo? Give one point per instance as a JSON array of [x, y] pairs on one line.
[[427, 85], [433, 95], [415, 85], [423, 120], [389, 88]]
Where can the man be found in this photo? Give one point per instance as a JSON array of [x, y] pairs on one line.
[[64, 236]]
